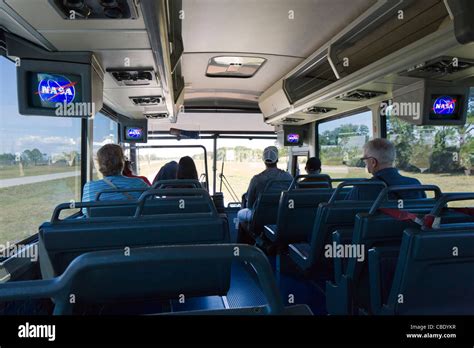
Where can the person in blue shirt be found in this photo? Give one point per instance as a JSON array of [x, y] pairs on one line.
[[111, 161], [379, 156]]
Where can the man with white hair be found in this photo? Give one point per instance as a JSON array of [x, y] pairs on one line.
[[379, 155]]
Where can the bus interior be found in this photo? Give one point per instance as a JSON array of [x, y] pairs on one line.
[[220, 81]]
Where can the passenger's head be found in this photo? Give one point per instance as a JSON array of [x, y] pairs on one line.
[[270, 156], [378, 154], [111, 160], [313, 166], [167, 172], [187, 169]]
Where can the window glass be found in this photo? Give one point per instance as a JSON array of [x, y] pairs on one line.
[[39, 163], [439, 155], [150, 160], [341, 144], [239, 160], [105, 132]]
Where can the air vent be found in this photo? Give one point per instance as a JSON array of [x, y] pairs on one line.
[[317, 110], [156, 115], [292, 120], [439, 67], [94, 9], [227, 66], [359, 95], [146, 100], [133, 77]]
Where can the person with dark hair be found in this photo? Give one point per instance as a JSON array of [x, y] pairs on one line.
[[313, 167], [127, 171], [168, 172], [187, 169], [111, 162]]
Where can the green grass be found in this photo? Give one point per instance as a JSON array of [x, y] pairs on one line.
[[25, 207], [8, 172]]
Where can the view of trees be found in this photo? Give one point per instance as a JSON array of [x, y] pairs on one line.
[[343, 145], [35, 157], [433, 149]]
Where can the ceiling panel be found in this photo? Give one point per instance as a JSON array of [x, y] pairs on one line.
[[265, 25], [194, 69]]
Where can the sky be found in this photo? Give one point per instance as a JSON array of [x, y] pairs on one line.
[[18, 133]]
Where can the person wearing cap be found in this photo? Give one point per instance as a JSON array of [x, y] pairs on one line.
[[260, 181]]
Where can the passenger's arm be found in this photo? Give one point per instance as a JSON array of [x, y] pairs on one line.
[[251, 193]]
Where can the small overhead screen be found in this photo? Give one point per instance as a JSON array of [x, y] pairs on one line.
[[435, 103], [293, 136], [54, 88], [134, 132]]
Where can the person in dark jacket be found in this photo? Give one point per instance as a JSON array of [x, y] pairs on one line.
[[168, 172], [379, 156]]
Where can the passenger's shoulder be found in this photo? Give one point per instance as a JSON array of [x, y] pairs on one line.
[[137, 182], [94, 183], [415, 181]]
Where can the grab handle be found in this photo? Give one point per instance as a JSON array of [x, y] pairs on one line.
[[339, 187], [384, 194]]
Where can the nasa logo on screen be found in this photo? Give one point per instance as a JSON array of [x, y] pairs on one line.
[[444, 105], [134, 133], [56, 89], [293, 138]]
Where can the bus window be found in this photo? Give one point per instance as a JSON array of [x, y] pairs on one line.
[[341, 144], [150, 160], [242, 159], [39, 163], [105, 132], [439, 155]]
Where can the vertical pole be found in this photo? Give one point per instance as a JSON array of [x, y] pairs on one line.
[[90, 149], [214, 164], [133, 157], [84, 154]]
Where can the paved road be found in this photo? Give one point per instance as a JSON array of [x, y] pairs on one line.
[[35, 179]]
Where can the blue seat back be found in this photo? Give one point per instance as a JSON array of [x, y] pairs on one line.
[[195, 203], [266, 206], [296, 212], [108, 276], [434, 273], [434, 269], [60, 241]]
